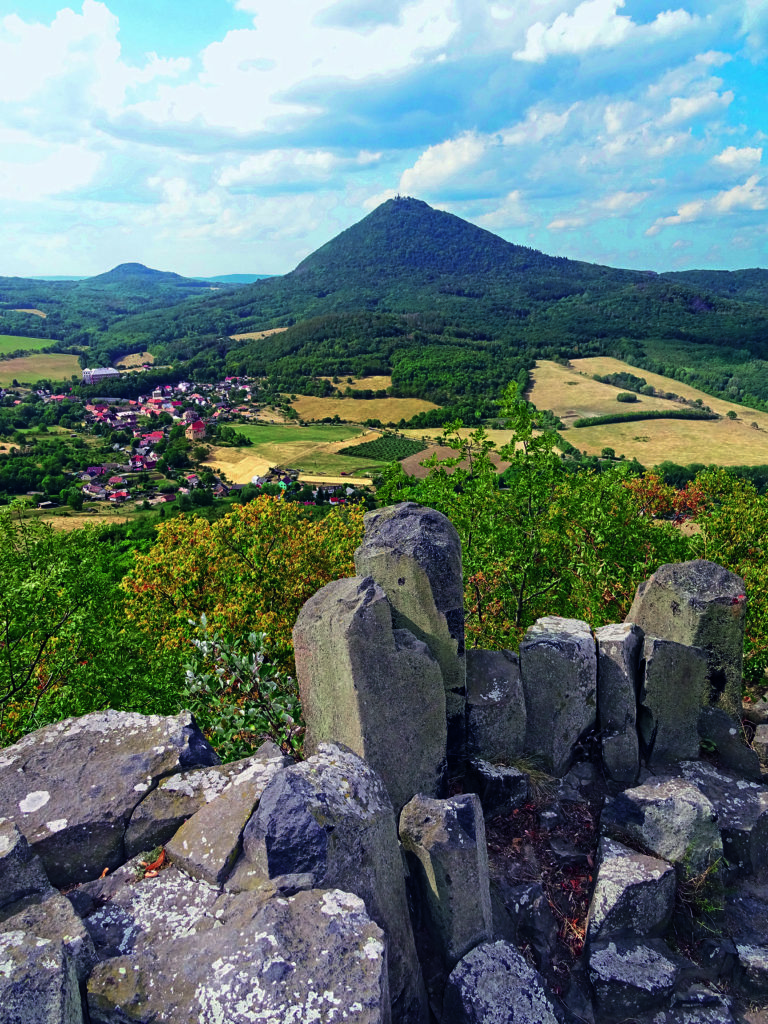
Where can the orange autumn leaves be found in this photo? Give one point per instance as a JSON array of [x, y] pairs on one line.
[[252, 570]]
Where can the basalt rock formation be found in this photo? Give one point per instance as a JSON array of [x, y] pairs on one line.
[[142, 881]]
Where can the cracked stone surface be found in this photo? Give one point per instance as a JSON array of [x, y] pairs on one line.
[[314, 957], [71, 788]]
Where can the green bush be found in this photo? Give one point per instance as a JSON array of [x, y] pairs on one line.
[[626, 396], [651, 414]]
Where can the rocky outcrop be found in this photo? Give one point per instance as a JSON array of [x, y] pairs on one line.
[[364, 681], [414, 554], [71, 788], [278, 891], [699, 604]]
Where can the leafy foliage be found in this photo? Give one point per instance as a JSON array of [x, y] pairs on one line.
[[238, 698], [249, 571]]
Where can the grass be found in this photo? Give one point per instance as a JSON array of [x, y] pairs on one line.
[[13, 342], [30, 369], [571, 393], [356, 410], [277, 433], [328, 464]]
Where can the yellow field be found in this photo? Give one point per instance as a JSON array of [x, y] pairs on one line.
[[34, 312], [258, 334], [355, 410], [238, 466], [571, 393], [29, 369], [374, 383], [137, 359]]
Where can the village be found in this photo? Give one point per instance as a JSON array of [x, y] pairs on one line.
[[158, 446]]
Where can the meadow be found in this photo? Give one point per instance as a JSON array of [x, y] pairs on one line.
[[14, 342], [30, 369], [570, 393]]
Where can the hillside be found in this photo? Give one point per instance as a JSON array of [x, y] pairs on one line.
[[450, 310]]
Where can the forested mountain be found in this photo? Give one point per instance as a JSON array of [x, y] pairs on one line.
[[448, 308], [78, 312]]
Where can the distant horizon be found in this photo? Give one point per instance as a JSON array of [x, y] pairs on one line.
[[628, 133]]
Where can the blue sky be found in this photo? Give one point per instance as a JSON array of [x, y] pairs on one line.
[[238, 135]]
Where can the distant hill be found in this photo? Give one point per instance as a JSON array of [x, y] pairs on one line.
[[237, 278], [133, 272]]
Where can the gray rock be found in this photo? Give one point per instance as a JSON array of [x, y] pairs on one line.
[[493, 984], [630, 976], [208, 844], [727, 734], [444, 842], [315, 956], [751, 977], [703, 605], [742, 813], [126, 914], [51, 916], [522, 915], [21, 871], [760, 742], [364, 682], [495, 705], [634, 895], [672, 693], [558, 662], [755, 712], [329, 817], [746, 918], [618, 657], [38, 983], [500, 787], [414, 554], [72, 787], [176, 798], [670, 817]]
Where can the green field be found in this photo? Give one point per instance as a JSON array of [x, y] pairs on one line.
[[14, 342], [276, 433]]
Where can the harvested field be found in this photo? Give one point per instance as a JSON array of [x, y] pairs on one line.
[[75, 520], [255, 335], [30, 369], [371, 383], [238, 464], [34, 312], [723, 442], [413, 464], [137, 359], [355, 410]]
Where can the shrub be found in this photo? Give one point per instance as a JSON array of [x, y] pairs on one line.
[[626, 396]]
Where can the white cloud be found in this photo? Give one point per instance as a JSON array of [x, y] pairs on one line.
[[686, 108], [513, 212], [614, 204], [291, 166], [439, 164], [735, 159], [47, 171], [596, 24], [751, 196]]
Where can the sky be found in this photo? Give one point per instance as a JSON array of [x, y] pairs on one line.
[[236, 136]]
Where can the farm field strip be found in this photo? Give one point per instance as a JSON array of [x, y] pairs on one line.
[[34, 312], [364, 383], [279, 433], [30, 369], [358, 410], [257, 335], [13, 342]]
